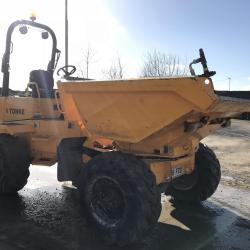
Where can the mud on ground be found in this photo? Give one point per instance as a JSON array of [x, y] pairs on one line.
[[232, 147]]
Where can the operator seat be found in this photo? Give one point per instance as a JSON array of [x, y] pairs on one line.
[[45, 83]]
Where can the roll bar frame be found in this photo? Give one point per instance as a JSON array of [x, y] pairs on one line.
[[8, 48]]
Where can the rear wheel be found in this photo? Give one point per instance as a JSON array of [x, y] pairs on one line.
[[14, 163], [202, 183], [120, 196]]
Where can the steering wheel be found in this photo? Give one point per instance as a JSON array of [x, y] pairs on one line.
[[67, 70]]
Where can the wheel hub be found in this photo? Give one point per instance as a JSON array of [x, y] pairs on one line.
[[107, 201]]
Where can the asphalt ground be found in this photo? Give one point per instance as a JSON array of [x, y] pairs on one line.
[[45, 215]]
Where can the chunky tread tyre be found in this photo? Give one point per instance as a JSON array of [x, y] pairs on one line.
[[207, 177], [141, 204], [14, 163]]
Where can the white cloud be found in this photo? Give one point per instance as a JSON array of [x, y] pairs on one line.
[[244, 87], [92, 25]]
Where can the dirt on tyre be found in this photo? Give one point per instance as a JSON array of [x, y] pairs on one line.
[[203, 182], [119, 194], [14, 163]]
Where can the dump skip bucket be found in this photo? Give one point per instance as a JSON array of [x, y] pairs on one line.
[[131, 110]]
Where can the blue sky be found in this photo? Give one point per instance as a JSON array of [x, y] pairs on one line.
[[131, 28], [221, 28]]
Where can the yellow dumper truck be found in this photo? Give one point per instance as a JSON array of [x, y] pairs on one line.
[[120, 142]]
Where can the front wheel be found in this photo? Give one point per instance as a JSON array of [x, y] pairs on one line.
[[202, 183], [14, 163], [120, 196]]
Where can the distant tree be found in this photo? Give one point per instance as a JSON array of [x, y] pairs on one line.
[[88, 58], [157, 64], [115, 71]]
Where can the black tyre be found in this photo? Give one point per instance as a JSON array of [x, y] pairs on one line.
[[202, 183], [69, 157], [14, 163], [120, 196]]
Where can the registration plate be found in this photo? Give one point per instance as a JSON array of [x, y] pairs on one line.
[[177, 171]]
